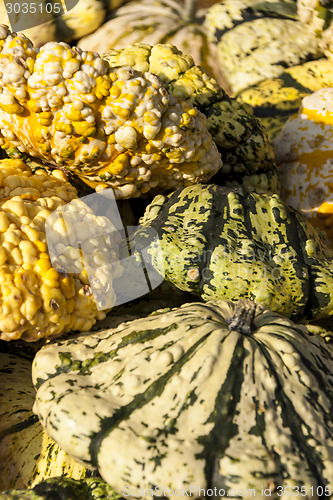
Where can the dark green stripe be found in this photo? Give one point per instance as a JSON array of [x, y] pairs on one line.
[[216, 442], [293, 421]]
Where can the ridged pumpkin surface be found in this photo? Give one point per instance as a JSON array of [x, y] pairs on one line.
[[179, 399], [223, 243]]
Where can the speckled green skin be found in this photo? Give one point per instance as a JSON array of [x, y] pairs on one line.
[[223, 243], [179, 398], [239, 135], [61, 488]]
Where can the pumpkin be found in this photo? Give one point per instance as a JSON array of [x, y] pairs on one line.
[[318, 15], [27, 454], [64, 488], [224, 243], [276, 99], [45, 23], [305, 158], [153, 22], [216, 395], [257, 40]]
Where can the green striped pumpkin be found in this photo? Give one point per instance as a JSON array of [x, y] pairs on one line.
[[221, 243], [275, 100], [27, 454], [258, 39], [206, 395]]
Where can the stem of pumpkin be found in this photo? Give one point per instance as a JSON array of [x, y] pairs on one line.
[[190, 7]]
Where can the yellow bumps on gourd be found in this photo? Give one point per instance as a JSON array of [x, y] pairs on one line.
[[37, 301], [71, 108]]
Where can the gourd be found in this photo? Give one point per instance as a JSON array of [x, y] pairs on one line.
[[224, 243], [64, 487], [276, 99], [37, 301], [75, 22], [27, 454], [305, 159], [122, 128], [115, 127], [246, 153], [257, 40], [318, 15], [209, 395], [151, 22]]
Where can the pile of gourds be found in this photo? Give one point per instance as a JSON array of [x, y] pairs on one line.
[[222, 377]]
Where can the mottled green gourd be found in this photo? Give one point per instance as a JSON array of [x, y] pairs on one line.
[[205, 395], [222, 243]]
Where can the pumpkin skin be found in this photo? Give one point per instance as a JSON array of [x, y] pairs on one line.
[[85, 17], [184, 400], [221, 243], [305, 160], [276, 99], [257, 40], [27, 454]]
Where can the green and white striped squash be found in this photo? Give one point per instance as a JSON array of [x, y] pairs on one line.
[[240, 137], [205, 395], [27, 454], [258, 39], [152, 22], [318, 15], [85, 17], [64, 488], [222, 243], [275, 100]]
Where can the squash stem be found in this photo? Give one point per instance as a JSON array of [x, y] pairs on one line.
[[242, 319], [191, 7]]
